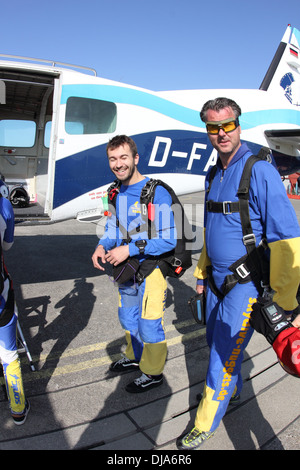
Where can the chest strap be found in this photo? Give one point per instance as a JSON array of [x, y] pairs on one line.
[[224, 207]]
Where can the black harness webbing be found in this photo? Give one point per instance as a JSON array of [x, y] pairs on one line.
[[149, 264], [252, 266], [173, 263]]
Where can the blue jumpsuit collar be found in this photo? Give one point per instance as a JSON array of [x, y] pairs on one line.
[[243, 149]]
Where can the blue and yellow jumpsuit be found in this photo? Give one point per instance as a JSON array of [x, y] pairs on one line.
[[8, 320], [141, 307], [228, 330]]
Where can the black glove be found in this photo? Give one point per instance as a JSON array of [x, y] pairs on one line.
[[268, 319]]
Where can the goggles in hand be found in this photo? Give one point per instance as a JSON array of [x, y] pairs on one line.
[[228, 125]]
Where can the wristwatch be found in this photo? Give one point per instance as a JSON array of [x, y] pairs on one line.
[[141, 244]]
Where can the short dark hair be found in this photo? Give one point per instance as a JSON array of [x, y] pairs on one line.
[[121, 140], [219, 103]]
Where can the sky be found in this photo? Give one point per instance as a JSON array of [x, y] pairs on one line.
[[157, 44]]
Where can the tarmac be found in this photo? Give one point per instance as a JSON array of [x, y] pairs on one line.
[[68, 315]]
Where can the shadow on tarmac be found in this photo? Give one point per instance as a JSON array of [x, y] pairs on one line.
[[68, 257]]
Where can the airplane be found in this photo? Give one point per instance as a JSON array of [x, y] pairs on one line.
[[56, 120]]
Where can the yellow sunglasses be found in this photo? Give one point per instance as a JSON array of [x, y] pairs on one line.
[[228, 125]]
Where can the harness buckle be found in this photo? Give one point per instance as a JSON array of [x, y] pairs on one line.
[[226, 207], [176, 262], [249, 239], [242, 271], [263, 243]]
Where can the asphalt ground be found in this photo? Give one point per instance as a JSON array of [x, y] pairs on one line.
[[68, 315]]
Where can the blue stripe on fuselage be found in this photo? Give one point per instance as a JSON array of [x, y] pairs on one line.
[[117, 94], [131, 96], [87, 170]]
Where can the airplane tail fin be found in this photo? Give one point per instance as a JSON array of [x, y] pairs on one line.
[[284, 71]]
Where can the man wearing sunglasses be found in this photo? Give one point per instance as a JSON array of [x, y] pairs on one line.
[[273, 218]]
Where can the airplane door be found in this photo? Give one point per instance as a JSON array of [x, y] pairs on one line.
[[83, 123], [53, 153]]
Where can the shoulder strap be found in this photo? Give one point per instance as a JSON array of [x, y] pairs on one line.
[[249, 239], [113, 191], [264, 154], [147, 206], [211, 176], [243, 194], [147, 192]]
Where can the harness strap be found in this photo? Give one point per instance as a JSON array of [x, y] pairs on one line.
[[224, 207], [243, 271], [146, 198], [255, 256], [212, 284], [149, 264]]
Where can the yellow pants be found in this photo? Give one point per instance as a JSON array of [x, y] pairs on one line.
[[14, 386], [141, 314]]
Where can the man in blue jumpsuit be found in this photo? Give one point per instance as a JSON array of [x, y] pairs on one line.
[[19, 406], [141, 307], [272, 216]]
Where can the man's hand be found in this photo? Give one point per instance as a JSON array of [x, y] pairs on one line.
[[296, 322], [117, 255], [99, 253], [200, 288], [268, 319]]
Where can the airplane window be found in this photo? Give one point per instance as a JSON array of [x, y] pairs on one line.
[[74, 127], [47, 134], [17, 133], [90, 116]]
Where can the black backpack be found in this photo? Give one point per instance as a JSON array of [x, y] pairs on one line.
[[175, 262]]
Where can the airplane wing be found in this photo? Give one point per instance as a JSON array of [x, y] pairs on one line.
[[282, 138], [285, 136]]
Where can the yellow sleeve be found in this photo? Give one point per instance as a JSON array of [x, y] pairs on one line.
[[204, 261], [285, 271]]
